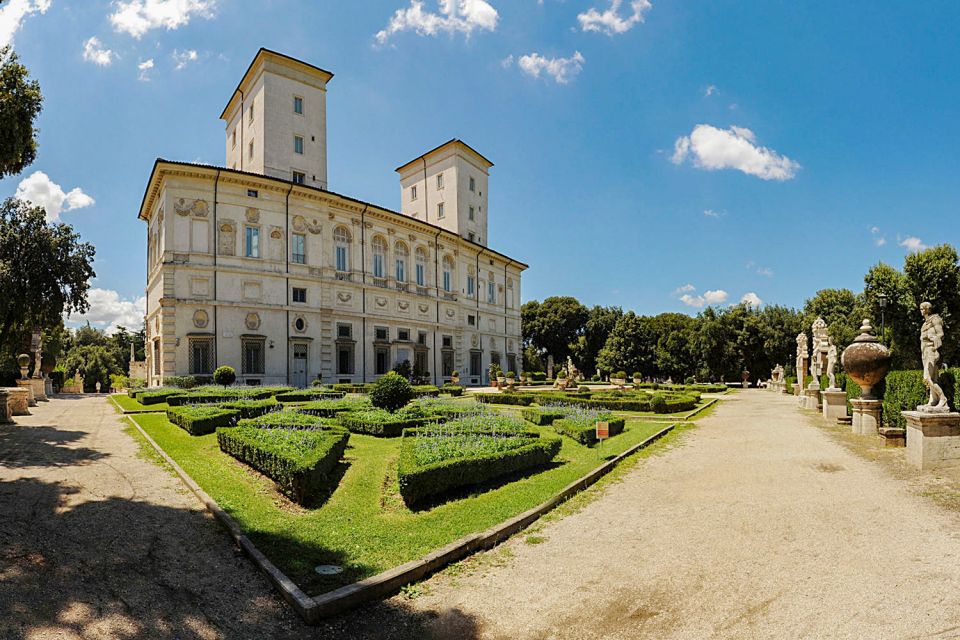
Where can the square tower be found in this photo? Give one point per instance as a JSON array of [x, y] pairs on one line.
[[276, 120], [448, 187]]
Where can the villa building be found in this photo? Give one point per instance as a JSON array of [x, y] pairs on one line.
[[259, 266]]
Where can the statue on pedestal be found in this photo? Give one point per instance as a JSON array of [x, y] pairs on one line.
[[931, 339], [36, 345], [831, 364], [802, 357]]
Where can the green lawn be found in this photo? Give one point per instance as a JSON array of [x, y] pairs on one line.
[[365, 526], [129, 404]]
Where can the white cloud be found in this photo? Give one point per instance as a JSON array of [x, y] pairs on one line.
[[12, 15], [144, 68], [717, 296], [183, 58], [765, 271], [913, 244], [878, 238], [687, 288], [94, 52], [41, 191], [733, 148], [710, 213], [710, 90], [507, 62], [562, 70], [136, 17], [610, 21], [751, 299], [455, 16], [109, 311]]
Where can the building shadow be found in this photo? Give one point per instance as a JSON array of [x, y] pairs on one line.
[[120, 568], [42, 446]]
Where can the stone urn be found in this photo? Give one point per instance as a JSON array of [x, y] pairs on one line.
[[866, 361], [23, 360]]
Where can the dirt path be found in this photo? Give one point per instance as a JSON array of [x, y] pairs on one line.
[[759, 525], [95, 542]]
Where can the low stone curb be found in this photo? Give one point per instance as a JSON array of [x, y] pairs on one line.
[[312, 610], [132, 412]]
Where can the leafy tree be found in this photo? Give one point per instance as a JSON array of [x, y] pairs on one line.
[[840, 309], [932, 275], [882, 279], [225, 376], [554, 325], [674, 355], [600, 322], [45, 271], [20, 104], [630, 347], [94, 363], [391, 392]]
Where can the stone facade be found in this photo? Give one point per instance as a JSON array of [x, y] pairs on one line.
[[286, 282]]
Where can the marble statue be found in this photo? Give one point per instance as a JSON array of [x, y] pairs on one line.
[[37, 344], [831, 363], [931, 338], [802, 355]]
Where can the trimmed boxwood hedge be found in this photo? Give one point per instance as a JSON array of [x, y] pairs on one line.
[[308, 395], [328, 408], [251, 408], [287, 420], [419, 482], [199, 421], [586, 434], [155, 396], [300, 462], [426, 391], [383, 424], [542, 416], [905, 391], [353, 388], [454, 390], [515, 399]]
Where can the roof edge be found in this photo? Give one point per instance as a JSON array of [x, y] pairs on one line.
[[264, 51]]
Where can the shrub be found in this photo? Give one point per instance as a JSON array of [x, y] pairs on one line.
[[251, 408], [689, 380], [595, 378], [331, 408], [156, 396], [391, 392], [300, 462], [199, 421], [452, 389], [905, 391], [382, 423], [225, 376], [546, 415], [637, 374], [180, 382], [538, 376], [581, 425], [515, 399], [436, 460], [452, 410], [511, 374], [658, 403], [620, 375], [317, 383], [286, 420], [306, 395], [426, 391], [349, 387]]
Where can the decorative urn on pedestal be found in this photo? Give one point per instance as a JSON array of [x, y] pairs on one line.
[[866, 361], [23, 360]]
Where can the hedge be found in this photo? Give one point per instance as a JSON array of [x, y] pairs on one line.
[[542, 416], [199, 421], [905, 391], [300, 462], [251, 408], [514, 399], [586, 433], [383, 424], [156, 396], [307, 395], [353, 388], [452, 389], [426, 391], [286, 420], [418, 482], [328, 408]]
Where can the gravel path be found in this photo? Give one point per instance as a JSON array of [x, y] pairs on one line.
[[758, 526], [95, 542]]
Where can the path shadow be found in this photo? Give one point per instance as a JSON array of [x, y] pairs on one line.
[[120, 568], [29, 446]]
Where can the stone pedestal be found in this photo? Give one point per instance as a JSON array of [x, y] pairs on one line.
[[48, 386], [834, 404], [4, 408], [933, 439], [796, 388], [811, 399], [39, 389], [31, 398], [866, 416], [18, 401]]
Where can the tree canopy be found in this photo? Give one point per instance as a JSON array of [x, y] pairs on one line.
[[20, 104]]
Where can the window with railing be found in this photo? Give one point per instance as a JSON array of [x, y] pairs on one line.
[[379, 257], [252, 350], [421, 267], [341, 243], [401, 254], [201, 356], [299, 246]]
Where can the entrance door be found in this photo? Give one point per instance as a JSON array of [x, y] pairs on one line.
[[299, 372]]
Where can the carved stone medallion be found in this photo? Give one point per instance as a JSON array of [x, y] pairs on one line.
[[253, 321], [200, 319]]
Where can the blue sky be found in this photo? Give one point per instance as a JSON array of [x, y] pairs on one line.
[[656, 155]]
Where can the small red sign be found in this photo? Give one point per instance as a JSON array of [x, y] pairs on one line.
[[603, 430]]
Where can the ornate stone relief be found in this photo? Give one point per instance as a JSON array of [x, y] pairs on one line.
[[314, 227], [391, 231], [510, 345], [299, 223], [200, 319], [185, 207], [343, 296], [276, 233], [253, 215], [381, 302], [227, 238], [451, 313], [474, 341], [412, 237], [160, 216], [252, 321], [403, 305], [423, 308]]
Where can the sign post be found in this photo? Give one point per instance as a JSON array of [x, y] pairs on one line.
[[603, 432]]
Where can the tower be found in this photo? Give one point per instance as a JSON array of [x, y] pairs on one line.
[[447, 186], [276, 120]]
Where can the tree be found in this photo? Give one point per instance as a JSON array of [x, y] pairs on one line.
[[932, 275], [840, 309], [600, 322], [554, 325], [225, 376], [674, 354], [391, 392], [882, 279], [94, 363], [45, 271], [630, 347], [20, 104]]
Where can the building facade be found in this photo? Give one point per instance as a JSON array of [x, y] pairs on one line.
[[258, 266]]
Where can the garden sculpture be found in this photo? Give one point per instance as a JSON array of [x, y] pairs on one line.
[[831, 363], [931, 338]]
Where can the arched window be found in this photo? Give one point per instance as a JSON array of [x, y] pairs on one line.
[[341, 243], [421, 267], [402, 255], [379, 256], [448, 274]]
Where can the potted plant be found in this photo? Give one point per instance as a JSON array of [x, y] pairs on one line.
[[637, 377], [455, 377], [619, 378], [511, 378], [496, 376]]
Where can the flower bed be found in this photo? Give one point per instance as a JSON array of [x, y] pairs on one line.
[[581, 425], [299, 461], [199, 421], [251, 408], [377, 422], [331, 408], [469, 452], [214, 394], [454, 390], [308, 395], [451, 410], [545, 415], [516, 399], [287, 420], [353, 388], [426, 391]]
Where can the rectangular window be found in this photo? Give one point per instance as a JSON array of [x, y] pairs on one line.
[[345, 360], [491, 292], [299, 248], [201, 356], [253, 193], [439, 181], [422, 337], [440, 210], [403, 334], [252, 242], [475, 365], [345, 331], [252, 351], [447, 282], [250, 149], [382, 334], [471, 285], [447, 342], [470, 236], [341, 258], [470, 212], [299, 177], [413, 192], [299, 294], [421, 274], [298, 105], [298, 144], [473, 184], [447, 363], [472, 320]]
